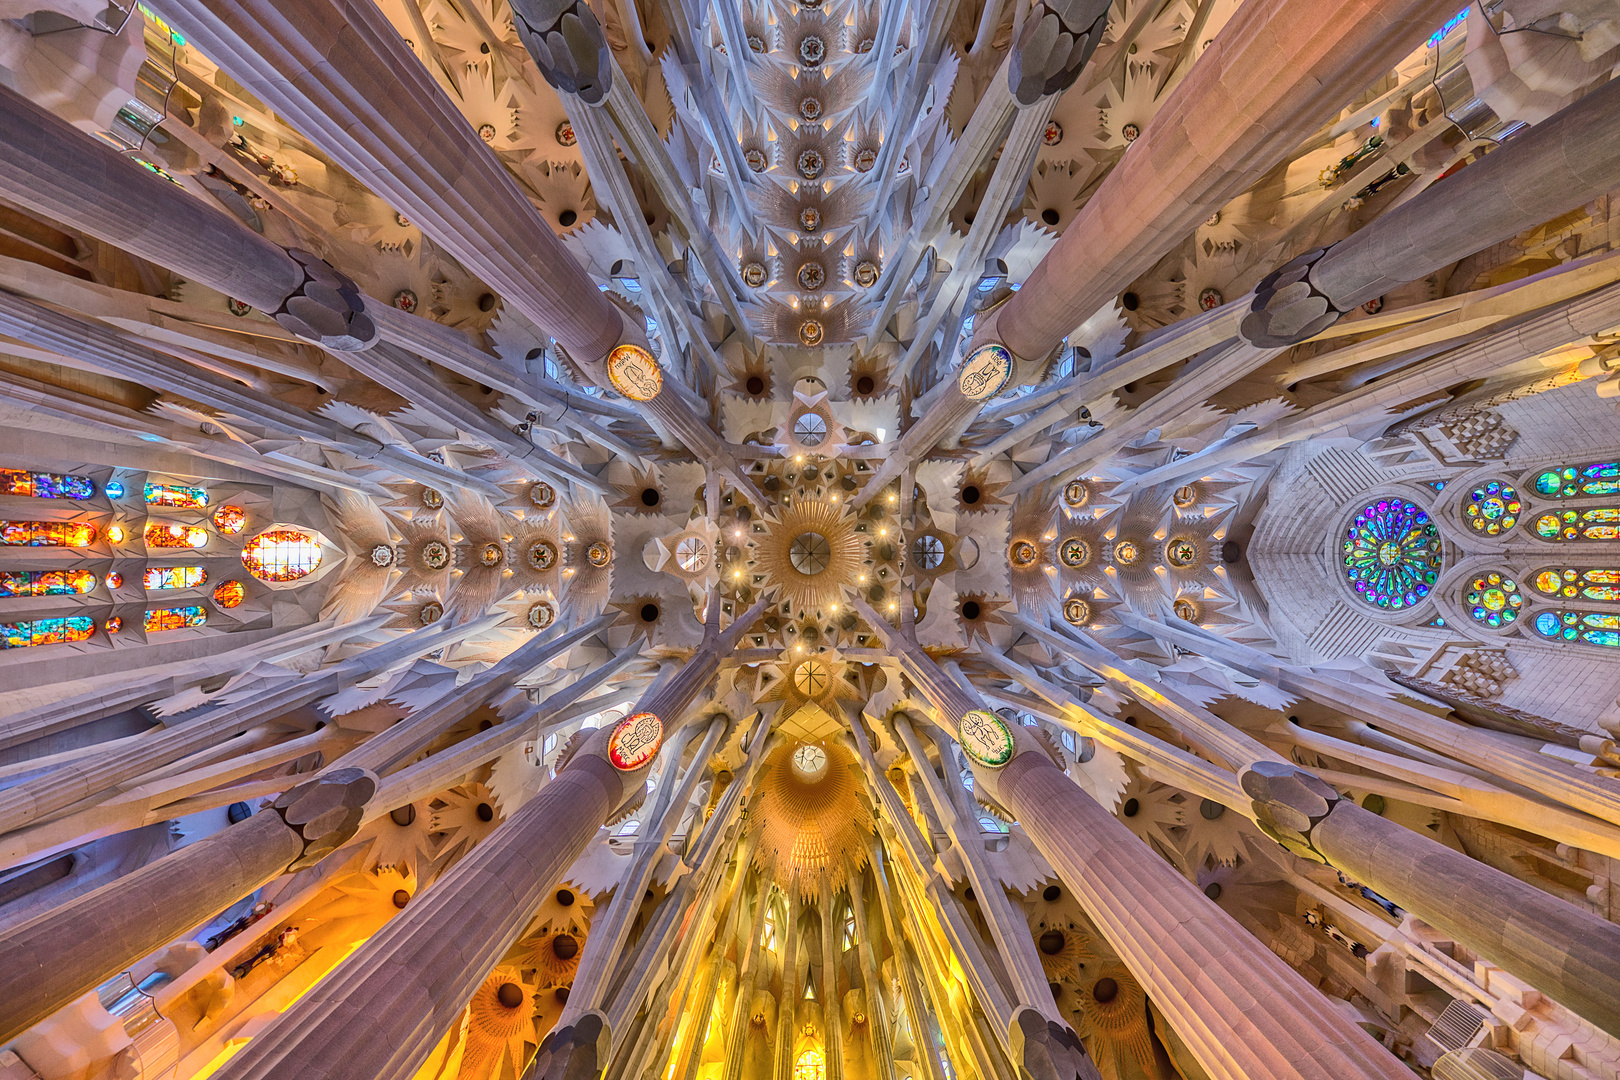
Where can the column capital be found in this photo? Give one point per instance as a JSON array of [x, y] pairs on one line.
[[1059, 36], [1288, 804], [326, 812]]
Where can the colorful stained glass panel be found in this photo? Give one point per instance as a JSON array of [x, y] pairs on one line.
[[39, 485], [1493, 599], [21, 635], [181, 495], [1391, 554], [1593, 478], [1571, 582], [46, 582], [230, 594], [282, 555], [1591, 627], [174, 577], [47, 533], [177, 618], [1598, 523], [167, 535], [1492, 508], [230, 520]]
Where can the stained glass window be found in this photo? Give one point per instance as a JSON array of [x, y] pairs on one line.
[[20, 635], [1592, 627], [114, 489], [47, 533], [46, 582], [1492, 508], [45, 485], [161, 535], [810, 1065], [114, 624], [174, 577], [230, 520], [282, 555], [1493, 599], [1392, 554], [1598, 523], [115, 580], [177, 618], [183, 495], [1594, 584], [1594, 478], [229, 594]]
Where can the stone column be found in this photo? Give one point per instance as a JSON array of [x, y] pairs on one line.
[[787, 1005], [1244, 1013], [1554, 167], [380, 1012], [1275, 73], [1567, 953], [52, 168], [95, 345], [877, 1024], [340, 74], [84, 777], [69, 950]]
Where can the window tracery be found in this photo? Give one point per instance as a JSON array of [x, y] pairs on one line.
[[47, 533], [1392, 554], [21, 635], [176, 618], [182, 496], [36, 485], [282, 555], [46, 582]]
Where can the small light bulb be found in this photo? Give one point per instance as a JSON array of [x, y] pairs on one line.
[[893, 497]]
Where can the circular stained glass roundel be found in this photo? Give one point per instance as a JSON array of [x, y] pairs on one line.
[[1493, 599], [1391, 554], [1492, 508]]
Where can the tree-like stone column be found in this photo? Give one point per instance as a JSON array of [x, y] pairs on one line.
[[1243, 1012], [1557, 165], [52, 168], [380, 1012], [67, 951]]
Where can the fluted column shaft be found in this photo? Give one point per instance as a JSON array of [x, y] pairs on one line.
[[339, 73], [1274, 74], [54, 169], [1244, 1013], [68, 950]]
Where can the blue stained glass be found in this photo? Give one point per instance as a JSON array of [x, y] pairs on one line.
[[1592, 478], [1593, 627], [114, 489], [1392, 554]]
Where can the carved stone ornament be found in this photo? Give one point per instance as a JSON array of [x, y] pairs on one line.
[[985, 738], [326, 811], [635, 741], [634, 373], [1287, 307], [568, 44], [1288, 804], [326, 308], [1059, 36], [984, 373]]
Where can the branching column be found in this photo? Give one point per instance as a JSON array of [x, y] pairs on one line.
[[67, 951], [49, 166], [380, 1012], [1245, 1014]]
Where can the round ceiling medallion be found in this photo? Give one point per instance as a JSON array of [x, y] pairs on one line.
[[810, 762], [810, 553], [492, 555], [1075, 494], [1022, 554], [865, 159], [1127, 553], [812, 678], [542, 495], [634, 373], [812, 276], [810, 333], [810, 108], [1075, 552], [1184, 496], [866, 273], [755, 159], [985, 738], [692, 554], [565, 134], [430, 613], [753, 274], [435, 555], [1181, 552], [1185, 609], [810, 219], [1076, 611], [599, 554], [542, 555], [1053, 133], [810, 164], [432, 499], [635, 741], [542, 615], [985, 372], [812, 50]]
